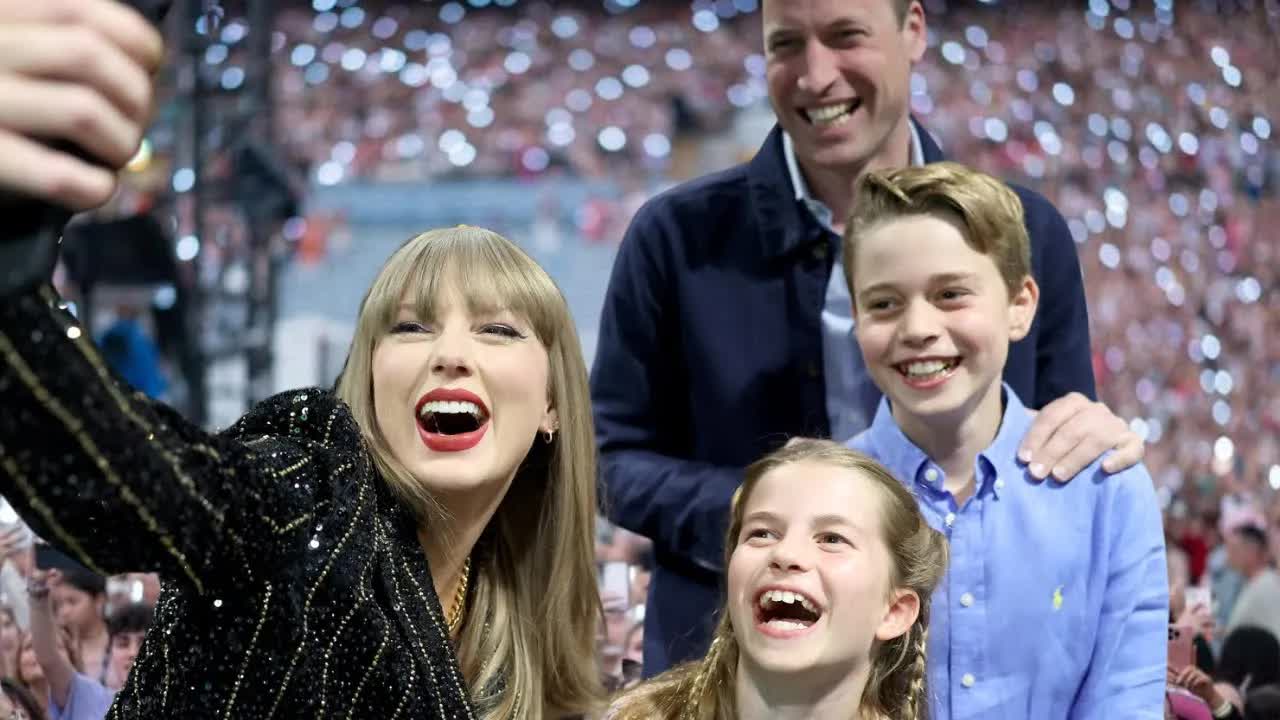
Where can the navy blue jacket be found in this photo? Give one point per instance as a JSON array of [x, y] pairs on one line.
[[710, 356]]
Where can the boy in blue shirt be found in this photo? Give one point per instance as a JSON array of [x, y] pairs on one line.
[[1056, 601]]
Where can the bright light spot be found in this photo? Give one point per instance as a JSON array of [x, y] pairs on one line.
[[612, 138], [463, 156], [657, 145], [329, 173], [636, 76], [183, 180], [679, 59], [187, 248]]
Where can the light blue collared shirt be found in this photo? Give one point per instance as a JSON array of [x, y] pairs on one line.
[[1056, 601], [851, 395]]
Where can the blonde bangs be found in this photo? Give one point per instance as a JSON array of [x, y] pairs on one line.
[[489, 272]]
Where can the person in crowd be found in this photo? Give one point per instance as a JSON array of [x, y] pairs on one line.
[[416, 542], [79, 604], [1259, 601], [826, 614], [31, 673], [128, 625], [10, 642], [726, 324], [72, 694], [1074, 576], [18, 703]]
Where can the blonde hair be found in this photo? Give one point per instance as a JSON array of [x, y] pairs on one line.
[[527, 647], [896, 687], [986, 211]]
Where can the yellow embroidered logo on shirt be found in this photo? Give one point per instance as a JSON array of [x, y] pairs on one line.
[[1057, 598]]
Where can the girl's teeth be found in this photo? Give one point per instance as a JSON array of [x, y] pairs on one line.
[[786, 625]]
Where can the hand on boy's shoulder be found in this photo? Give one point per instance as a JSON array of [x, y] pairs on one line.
[[1073, 432]]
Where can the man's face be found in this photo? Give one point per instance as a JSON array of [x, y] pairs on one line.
[[839, 76]]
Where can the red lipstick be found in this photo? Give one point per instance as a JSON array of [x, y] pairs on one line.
[[439, 442]]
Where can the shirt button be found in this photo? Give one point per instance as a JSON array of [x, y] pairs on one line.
[[820, 251], [999, 484], [931, 475], [968, 680], [951, 519], [813, 370], [966, 600]]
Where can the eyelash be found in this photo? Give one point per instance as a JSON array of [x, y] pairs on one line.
[[505, 331]]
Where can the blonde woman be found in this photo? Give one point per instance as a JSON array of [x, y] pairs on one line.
[[417, 544], [830, 571]]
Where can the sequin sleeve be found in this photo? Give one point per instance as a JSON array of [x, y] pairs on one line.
[[126, 484]]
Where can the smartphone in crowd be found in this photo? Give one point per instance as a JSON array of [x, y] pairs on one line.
[[615, 581], [1181, 650]]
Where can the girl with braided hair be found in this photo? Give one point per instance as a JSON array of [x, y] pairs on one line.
[[830, 569]]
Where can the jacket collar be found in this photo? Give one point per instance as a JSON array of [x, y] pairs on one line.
[[784, 223]]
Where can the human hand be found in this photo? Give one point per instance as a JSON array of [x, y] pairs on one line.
[[1073, 431], [78, 72], [1198, 683], [42, 582]]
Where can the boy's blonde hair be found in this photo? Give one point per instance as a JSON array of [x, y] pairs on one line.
[[986, 211], [896, 686], [527, 644]]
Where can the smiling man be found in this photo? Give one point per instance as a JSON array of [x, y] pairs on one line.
[[727, 325]]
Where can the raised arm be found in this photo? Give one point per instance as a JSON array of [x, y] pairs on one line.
[[119, 482], [638, 387], [126, 484], [1127, 670], [44, 638]]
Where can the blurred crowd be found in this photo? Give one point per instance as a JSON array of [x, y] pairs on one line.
[[1152, 128]]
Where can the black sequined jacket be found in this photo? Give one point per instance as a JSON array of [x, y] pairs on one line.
[[294, 583]]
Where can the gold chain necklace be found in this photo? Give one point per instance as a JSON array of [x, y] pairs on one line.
[[454, 616]]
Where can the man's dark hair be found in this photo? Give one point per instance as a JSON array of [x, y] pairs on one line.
[[85, 581], [134, 617]]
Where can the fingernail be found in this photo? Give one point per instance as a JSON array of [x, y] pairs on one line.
[[1024, 456], [1060, 474], [1038, 470]]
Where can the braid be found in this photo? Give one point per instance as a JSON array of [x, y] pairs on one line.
[[917, 701], [693, 708]]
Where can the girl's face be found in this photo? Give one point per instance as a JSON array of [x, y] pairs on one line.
[[29, 668], [810, 577]]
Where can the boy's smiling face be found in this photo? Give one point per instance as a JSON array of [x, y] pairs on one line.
[[934, 319]]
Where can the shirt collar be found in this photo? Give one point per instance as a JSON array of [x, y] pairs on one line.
[[797, 178], [910, 464]]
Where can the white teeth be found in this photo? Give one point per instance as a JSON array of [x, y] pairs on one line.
[[927, 367], [830, 114], [771, 597], [450, 406], [786, 625]]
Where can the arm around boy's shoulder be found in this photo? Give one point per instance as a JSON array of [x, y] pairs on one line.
[[123, 483]]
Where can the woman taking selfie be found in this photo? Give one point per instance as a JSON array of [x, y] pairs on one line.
[[416, 544], [827, 613]]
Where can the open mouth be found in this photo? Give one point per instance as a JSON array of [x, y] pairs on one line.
[[451, 417], [785, 613], [928, 370], [831, 115]]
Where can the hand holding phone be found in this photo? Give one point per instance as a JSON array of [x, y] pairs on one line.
[[1181, 650]]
